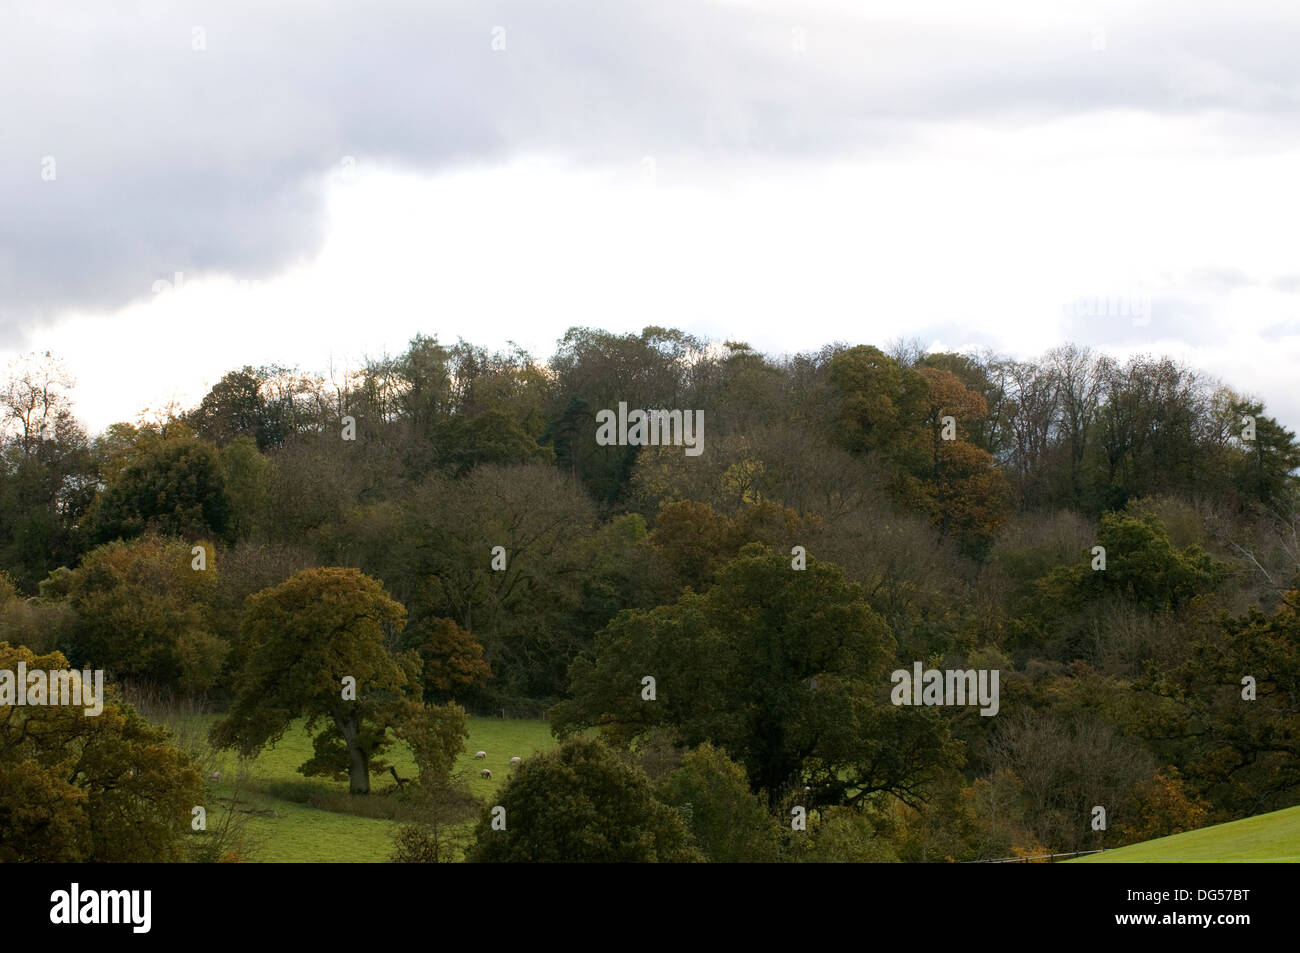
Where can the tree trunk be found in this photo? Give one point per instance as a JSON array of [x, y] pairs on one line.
[[359, 767], [359, 773]]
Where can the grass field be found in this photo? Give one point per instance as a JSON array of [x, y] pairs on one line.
[[1264, 838], [288, 827]]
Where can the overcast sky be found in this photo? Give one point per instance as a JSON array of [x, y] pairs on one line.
[[329, 179]]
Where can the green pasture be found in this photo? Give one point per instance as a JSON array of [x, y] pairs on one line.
[[1265, 838], [296, 819]]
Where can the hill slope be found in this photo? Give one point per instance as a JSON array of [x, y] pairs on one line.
[[1271, 837]]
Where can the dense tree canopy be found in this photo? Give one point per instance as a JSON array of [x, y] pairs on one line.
[[143, 612], [783, 668], [1116, 538], [176, 487], [103, 788]]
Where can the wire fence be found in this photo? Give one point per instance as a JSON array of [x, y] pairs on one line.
[[1037, 858]]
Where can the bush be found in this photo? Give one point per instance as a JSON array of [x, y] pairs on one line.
[[581, 803]]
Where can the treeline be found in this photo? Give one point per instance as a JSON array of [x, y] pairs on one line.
[[950, 507]]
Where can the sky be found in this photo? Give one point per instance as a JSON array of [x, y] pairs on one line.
[[189, 187]]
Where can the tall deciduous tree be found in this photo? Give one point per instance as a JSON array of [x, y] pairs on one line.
[[1238, 725], [143, 612], [519, 601], [176, 488], [950, 477], [48, 474], [1142, 564], [311, 633], [33, 399], [452, 658], [879, 400], [784, 668]]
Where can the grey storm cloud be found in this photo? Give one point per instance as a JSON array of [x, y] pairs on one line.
[[169, 158]]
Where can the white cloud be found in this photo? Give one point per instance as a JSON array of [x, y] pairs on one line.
[[939, 170], [963, 243]]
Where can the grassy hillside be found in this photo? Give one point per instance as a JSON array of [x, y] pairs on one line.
[[292, 820], [1271, 837]]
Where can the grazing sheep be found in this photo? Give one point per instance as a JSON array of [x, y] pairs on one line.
[[481, 754], [486, 773], [214, 776], [516, 762]]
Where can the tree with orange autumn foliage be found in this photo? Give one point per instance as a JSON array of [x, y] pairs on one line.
[[946, 474], [1165, 807]]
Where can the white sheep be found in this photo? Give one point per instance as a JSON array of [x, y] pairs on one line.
[[516, 762], [486, 773], [480, 755], [214, 776]]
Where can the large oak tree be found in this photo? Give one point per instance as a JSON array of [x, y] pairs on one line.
[[785, 668], [311, 632]]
